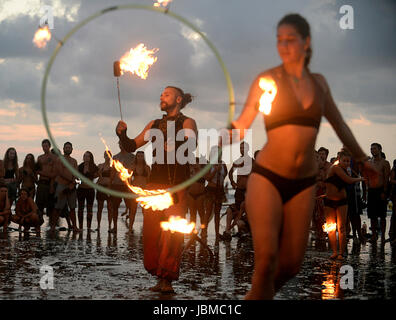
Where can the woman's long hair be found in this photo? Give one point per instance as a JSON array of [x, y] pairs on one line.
[[7, 160], [144, 159], [32, 164]]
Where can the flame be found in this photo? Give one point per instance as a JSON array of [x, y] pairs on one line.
[[138, 61], [155, 199], [42, 36], [329, 227], [163, 3], [336, 162], [177, 224], [269, 92], [328, 292]]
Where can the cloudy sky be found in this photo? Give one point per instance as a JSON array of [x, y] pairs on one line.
[[359, 64]]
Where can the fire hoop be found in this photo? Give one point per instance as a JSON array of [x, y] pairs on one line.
[[63, 42]]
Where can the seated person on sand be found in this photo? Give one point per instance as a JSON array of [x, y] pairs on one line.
[[237, 218], [5, 208], [26, 212]]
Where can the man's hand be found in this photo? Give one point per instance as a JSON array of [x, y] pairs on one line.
[[121, 126]]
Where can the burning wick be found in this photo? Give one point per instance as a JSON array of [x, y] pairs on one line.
[[177, 224], [42, 36], [138, 61], [336, 162], [329, 227], [269, 92], [155, 199], [163, 3]]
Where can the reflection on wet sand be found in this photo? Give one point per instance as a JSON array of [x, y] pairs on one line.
[[102, 265]]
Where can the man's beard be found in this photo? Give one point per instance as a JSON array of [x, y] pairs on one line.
[[166, 107]]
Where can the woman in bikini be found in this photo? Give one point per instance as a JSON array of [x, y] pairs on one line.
[[196, 194], [281, 187], [104, 170], [28, 175], [11, 173], [85, 193], [140, 178], [336, 202]]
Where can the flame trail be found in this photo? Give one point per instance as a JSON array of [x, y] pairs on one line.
[[155, 199]]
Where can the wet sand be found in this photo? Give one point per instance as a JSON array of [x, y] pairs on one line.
[[99, 265]]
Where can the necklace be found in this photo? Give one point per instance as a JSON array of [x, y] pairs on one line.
[[296, 80]]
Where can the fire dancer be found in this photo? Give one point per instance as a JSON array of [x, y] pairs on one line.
[[281, 187], [336, 202], [162, 249]]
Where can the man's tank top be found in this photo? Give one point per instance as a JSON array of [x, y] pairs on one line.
[[163, 173]]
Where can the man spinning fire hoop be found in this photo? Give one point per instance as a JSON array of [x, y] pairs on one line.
[[163, 249]]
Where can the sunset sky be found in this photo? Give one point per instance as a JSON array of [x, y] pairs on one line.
[[359, 65]]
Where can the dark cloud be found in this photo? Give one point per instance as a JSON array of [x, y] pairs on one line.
[[359, 64]]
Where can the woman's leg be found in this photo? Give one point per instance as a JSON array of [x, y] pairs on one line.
[[297, 216], [90, 201], [341, 227], [331, 217], [265, 219], [132, 213], [217, 210], [208, 213], [201, 209], [99, 214], [81, 203]]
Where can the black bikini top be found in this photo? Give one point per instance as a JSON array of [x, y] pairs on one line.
[[286, 109], [9, 174], [336, 181], [136, 174]]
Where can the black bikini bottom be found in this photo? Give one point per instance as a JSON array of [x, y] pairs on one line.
[[197, 195], [287, 188], [335, 203]]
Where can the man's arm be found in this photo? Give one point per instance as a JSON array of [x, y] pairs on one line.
[[131, 145], [231, 176], [386, 171]]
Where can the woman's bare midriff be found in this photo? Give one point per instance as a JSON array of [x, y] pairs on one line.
[[332, 193], [289, 152]]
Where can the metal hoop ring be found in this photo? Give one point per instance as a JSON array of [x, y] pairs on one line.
[[75, 172]]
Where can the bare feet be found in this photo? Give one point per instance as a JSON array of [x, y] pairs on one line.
[[334, 256], [340, 257], [166, 287], [157, 287]]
